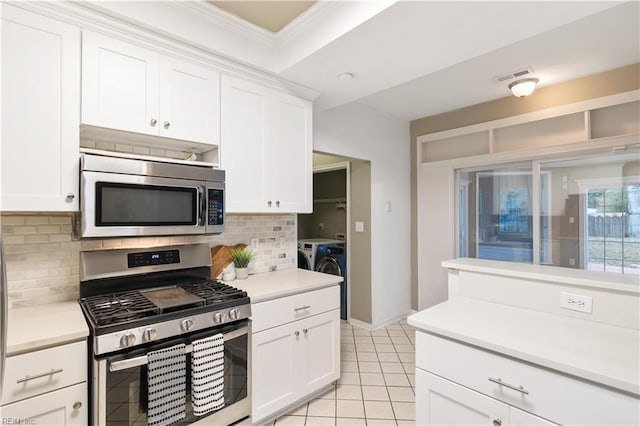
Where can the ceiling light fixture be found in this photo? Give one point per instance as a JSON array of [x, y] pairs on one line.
[[523, 87], [345, 76]]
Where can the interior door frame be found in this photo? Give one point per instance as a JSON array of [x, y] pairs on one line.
[[343, 165]]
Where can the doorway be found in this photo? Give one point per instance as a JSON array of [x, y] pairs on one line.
[[342, 197]]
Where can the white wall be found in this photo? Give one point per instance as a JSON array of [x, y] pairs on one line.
[[358, 131]]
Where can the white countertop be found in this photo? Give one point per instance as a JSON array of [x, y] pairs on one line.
[[272, 285], [38, 327], [598, 352], [571, 276]]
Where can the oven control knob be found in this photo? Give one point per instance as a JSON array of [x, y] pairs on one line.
[[233, 314], [217, 317], [149, 334], [186, 325], [127, 340]]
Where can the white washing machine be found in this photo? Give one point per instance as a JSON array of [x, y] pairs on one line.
[[307, 249]]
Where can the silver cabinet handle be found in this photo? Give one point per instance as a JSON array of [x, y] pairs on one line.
[[70, 197], [77, 405], [153, 122], [269, 203], [297, 333], [278, 203], [305, 331], [497, 422], [38, 376], [507, 385], [302, 308], [166, 125]]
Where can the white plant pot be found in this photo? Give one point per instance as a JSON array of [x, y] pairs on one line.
[[242, 273]]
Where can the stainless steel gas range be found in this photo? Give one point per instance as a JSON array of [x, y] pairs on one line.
[[169, 345]]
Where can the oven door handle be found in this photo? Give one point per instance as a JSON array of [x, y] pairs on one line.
[[144, 360]]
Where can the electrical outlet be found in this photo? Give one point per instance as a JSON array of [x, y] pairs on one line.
[[283, 242], [572, 262], [576, 302], [254, 244], [321, 226]]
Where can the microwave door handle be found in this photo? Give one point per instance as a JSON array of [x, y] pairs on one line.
[[203, 205]]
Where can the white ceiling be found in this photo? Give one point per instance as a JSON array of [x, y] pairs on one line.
[[420, 58]]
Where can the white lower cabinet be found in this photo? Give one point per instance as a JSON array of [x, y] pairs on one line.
[[457, 383], [441, 402], [47, 386], [292, 361], [66, 406]]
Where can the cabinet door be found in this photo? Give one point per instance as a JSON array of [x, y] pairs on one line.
[[244, 136], [40, 104], [291, 151], [189, 101], [522, 418], [67, 406], [320, 352], [441, 402], [275, 370], [120, 87]]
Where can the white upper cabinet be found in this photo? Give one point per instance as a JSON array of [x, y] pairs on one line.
[[120, 85], [244, 126], [189, 101], [292, 153], [266, 139], [40, 105], [131, 88]]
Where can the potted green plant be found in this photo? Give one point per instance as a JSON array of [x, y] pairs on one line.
[[241, 259]]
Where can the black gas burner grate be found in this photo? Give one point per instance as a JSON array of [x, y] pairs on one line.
[[214, 292], [120, 307]]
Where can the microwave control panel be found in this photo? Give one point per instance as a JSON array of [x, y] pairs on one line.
[[216, 207]]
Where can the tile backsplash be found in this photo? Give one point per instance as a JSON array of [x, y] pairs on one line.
[[42, 258]]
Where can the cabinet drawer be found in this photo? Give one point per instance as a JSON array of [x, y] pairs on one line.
[[273, 313], [28, 375], [555, 396]]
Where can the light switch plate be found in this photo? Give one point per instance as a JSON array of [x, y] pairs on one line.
[[359, 226]]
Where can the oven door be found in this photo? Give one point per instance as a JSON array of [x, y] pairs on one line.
[[119, 394], [117, 205]]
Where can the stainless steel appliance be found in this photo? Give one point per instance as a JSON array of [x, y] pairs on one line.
[[138, 302], [132, 197]]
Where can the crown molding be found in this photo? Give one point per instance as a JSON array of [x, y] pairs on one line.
[[293, 28], [227, 21], [90, 16]]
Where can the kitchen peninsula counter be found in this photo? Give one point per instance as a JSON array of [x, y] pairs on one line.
[[597, 352], [287, 282], [37, 327]]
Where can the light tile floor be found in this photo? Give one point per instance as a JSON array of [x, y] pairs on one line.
[[377, 381]]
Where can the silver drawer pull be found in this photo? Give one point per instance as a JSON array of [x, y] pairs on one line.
[[38, 376], [302, 308], [507, 385]]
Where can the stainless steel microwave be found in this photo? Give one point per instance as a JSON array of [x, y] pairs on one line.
[[126, 197]]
